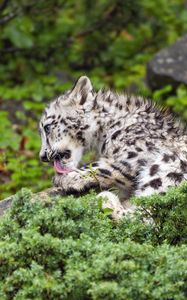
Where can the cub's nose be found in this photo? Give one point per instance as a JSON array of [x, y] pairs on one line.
[[43, 157]]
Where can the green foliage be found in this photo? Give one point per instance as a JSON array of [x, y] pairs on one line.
[[168, 213], [67, 248], [8, 133], [176, 101], [45, 45]]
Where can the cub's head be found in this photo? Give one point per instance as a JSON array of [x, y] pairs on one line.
[[63, 127]]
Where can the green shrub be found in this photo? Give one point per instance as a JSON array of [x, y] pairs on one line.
[[67, 248]]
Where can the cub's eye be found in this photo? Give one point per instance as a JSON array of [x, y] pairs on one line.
[[67, 154], [47, 128]]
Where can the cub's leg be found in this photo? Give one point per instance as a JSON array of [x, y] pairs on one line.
[[102, 174]]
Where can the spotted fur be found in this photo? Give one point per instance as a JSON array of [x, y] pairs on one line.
[[141, 149]]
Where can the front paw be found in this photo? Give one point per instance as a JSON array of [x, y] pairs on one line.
[[68, 181]]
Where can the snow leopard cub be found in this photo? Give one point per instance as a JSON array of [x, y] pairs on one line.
[[141, 149]]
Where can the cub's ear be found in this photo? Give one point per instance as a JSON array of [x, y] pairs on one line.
[[81, 90]]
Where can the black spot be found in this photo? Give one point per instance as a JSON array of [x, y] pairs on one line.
[[105, 171], [149, 107], [79, 134], [153, 170], [167, 157], [142, 162], [137, 103], [110, 98], [82, 190], [104, 110], [130, 143], [155, 183], [140, 131], [51, 117], [94, 164], [131, 154], [80, 137], [139, 149], [115, 134], [54, 122], [128, 101], [129, 177], [149, 144], [102, 175], [120, 107], [177, 177], [115, 124], [126, 164], [183, 166], [47, 140], [120, 181], [103, 147], [115, 167], [70, 118], [62, 121], [115, 150], [85, 127]]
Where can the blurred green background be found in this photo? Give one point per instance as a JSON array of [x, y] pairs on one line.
[[46, 44]]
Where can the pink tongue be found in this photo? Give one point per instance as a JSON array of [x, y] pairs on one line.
[[60, 169]]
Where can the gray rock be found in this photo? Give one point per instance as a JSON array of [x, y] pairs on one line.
[[169, 66], [43, 196]]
